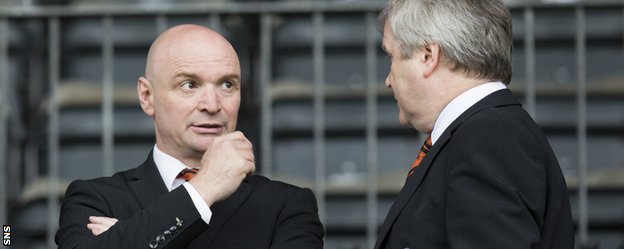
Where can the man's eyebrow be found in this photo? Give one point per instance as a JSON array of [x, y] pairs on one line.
[[232, 76]]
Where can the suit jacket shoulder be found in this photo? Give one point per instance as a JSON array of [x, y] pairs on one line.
[[490, 181]]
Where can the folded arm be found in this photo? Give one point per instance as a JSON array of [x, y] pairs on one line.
[[172, 212]]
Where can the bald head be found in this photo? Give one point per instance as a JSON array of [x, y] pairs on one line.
[[192, 90], [186, 40]]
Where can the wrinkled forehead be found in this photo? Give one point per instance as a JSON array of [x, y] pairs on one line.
[[174, 47]]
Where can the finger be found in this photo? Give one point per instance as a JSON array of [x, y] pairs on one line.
[[251, 168], [239, 136], [103, 220], [249, 156], [235, 135], [97, 229], [241, 145], [100, 225]]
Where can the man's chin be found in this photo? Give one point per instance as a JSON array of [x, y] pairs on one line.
[[412, 125], [202, 143], [404, 122]]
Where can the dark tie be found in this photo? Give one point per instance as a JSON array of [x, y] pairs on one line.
[[188, 173], [421, 154]]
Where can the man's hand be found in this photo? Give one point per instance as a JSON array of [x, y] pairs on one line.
[[226, 162], [98, 224]]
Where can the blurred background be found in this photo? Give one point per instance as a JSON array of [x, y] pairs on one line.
[[314, 103]]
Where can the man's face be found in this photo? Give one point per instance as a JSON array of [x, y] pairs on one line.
[[195, 96], [411, 91]]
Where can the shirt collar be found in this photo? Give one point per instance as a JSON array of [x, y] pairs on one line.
[[169, 167], [460, 104]]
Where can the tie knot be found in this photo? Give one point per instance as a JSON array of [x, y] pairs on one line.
[[421, 154], [187, 174]]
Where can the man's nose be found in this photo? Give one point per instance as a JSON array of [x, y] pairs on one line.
[[209, 101], [387, 82]]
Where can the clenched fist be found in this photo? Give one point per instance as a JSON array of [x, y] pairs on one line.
[[224, 165]]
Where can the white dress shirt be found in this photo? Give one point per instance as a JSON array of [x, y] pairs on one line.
[[460, 104], [169, 168]]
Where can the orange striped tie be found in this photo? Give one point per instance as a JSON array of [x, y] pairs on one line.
[[188, 173], [421, 154]]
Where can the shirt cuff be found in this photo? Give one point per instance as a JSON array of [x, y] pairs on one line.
[[200, 204]]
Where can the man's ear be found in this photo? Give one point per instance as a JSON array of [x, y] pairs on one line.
[[146, 96], [431, 58]]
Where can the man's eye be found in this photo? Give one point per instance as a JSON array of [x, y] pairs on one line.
[[227, 85], [188, 85]]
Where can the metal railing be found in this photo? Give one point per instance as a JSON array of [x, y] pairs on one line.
[[265, 14]]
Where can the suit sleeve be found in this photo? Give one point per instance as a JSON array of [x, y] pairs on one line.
[[173, 212], [298, 224], [495, 187]]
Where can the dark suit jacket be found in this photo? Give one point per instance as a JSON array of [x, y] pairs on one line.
[[260, 214], [491, 181]]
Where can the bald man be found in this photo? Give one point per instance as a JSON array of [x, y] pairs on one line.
[[191, 89]]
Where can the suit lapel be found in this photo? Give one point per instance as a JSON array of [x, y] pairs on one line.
[[408, 190], [498, 98], [223, 211], [147, 186], [146, 183]]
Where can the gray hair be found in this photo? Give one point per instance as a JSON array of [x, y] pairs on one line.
[[474, 35]]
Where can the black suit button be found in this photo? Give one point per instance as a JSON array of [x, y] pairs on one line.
[[153, 244], [167, 233], [173, 229], [160, 238]]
